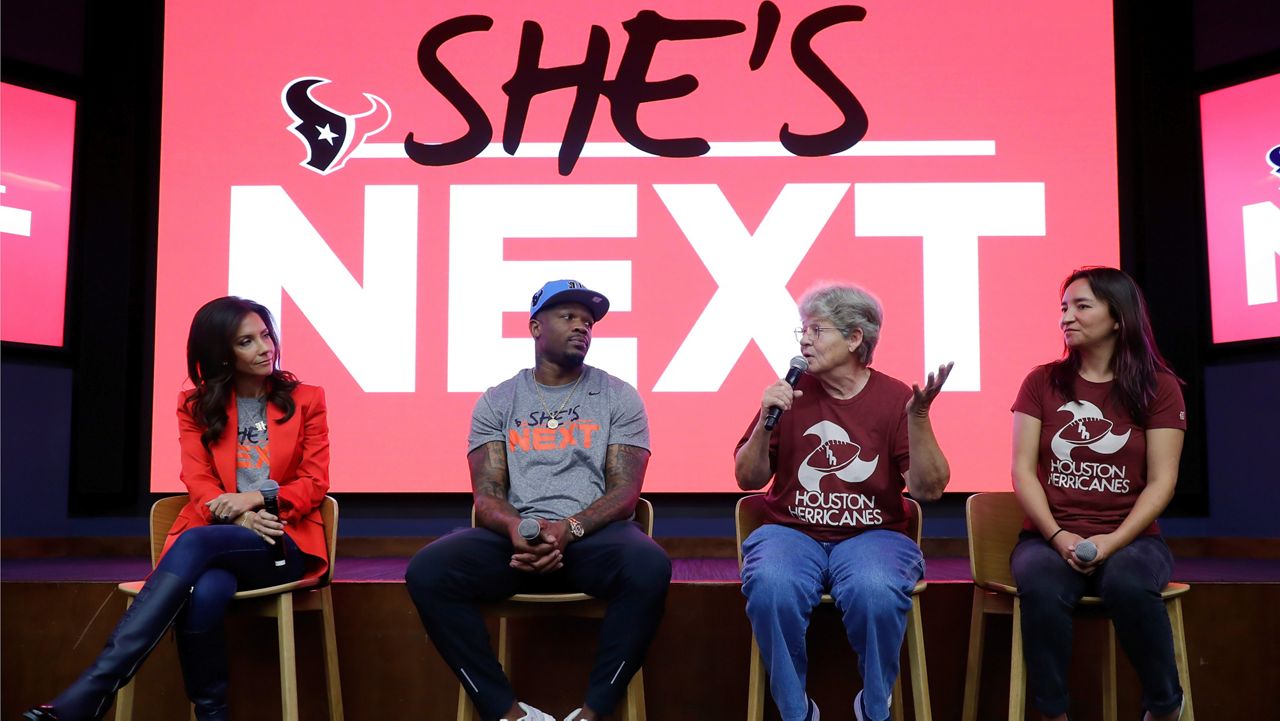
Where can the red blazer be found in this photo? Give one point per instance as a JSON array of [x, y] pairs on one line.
[[299, 451]]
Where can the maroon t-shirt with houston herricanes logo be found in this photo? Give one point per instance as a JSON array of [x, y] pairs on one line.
[[838, 464], [1093, 459]]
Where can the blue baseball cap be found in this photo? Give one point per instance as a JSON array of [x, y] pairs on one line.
[[568, 291]]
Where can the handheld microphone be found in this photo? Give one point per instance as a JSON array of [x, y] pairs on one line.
[[798, 366], [529, 529], [270, 505], [1086, 551]]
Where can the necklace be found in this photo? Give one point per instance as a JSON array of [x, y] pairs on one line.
[[552, 423], [255, 410]]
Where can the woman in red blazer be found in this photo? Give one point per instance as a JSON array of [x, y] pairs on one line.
[[253, 438]]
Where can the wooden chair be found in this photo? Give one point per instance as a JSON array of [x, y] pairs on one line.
[[748, 516], [278, 602], [578, 605], [994, 521]]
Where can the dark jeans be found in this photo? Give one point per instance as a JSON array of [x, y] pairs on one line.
[[216, 561], [1129, 583], [188, 590], [618, 564]]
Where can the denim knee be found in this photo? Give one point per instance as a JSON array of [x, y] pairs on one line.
[[208, 602], [873, 598]]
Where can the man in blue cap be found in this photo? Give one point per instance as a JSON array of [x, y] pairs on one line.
[[566, 445]]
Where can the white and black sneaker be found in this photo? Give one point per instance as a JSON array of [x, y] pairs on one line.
[[531, 714], [813, 714]]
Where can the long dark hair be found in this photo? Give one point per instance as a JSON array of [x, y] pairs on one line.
[[1136, 360], [211, 364]]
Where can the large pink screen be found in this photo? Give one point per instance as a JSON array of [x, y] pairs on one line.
[[987, 172], [1242, 208], [37, 136]]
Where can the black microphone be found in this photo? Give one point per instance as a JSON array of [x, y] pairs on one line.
[[529, 529], [270, 505], [1086, 551], [798, 366]]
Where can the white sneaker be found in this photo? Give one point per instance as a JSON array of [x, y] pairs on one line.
[[531, 714], [813, 711], [574, 715]]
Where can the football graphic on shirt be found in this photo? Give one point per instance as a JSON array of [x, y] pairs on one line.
[[1084, 431], [1088, 429], [835, 454]]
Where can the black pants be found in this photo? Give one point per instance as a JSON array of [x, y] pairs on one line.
[[618, 564], [1129, 583]]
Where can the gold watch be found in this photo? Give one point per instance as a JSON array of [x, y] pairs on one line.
[[575, 528]]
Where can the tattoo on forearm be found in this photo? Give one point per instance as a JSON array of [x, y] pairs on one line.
[[489, 483], [624, 468]]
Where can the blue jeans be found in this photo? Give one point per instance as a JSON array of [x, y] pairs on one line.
[[1129, 583], [870, 576], [216, 561]]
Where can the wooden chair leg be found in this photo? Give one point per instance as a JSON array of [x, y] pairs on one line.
[[1017, 668], [329, 639], [288, 657], [917, 661], [973, 666], [124, 697], [1174, 608], [755, 684], [1109, 676], [504, 646], [896, 711], [466, 710], [634, 709]]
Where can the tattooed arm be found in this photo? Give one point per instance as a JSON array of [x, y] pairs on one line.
[[489, 484], [624, 468]]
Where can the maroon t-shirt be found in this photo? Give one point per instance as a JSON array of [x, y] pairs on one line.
[[838, 464], [1093, 459]]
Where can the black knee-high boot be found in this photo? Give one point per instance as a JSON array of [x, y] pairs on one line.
[[204, 672], [138, 631]]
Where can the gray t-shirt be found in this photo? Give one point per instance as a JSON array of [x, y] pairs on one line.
[[253, 452], [557, 468]]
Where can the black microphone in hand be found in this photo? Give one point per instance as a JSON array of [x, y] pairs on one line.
[[1086, 551], [272, 506], [529, 529], [798, 366]]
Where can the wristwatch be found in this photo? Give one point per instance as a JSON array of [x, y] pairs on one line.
[[575, 528]]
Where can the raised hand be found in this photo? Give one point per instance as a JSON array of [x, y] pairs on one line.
[[921, 399]]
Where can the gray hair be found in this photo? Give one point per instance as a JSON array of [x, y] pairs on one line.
[[849, 308]]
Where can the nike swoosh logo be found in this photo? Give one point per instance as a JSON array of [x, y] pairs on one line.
[[593, 393]]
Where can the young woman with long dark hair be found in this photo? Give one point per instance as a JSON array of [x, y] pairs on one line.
[[1097, 437], [249, 432]]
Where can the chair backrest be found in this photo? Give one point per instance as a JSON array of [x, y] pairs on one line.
[[993, 521], [165, 511], [643, 516], [749, 515]]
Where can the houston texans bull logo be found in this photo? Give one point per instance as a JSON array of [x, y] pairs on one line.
[[330, 136], [837, 455], [1088, 428]]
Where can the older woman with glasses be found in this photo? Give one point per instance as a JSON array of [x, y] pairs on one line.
[[849, 441]]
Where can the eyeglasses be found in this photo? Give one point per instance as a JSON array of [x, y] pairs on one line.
[[814, 330]]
